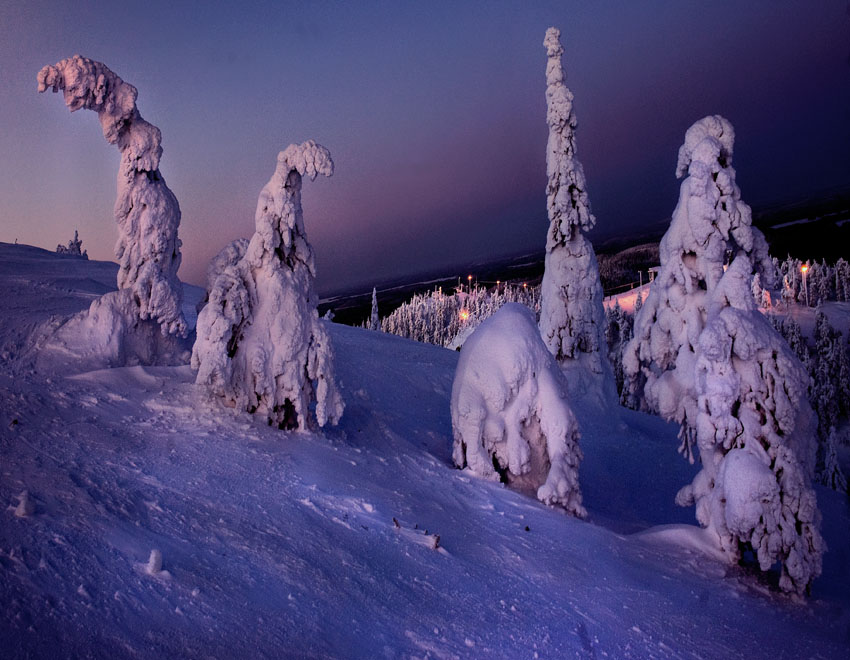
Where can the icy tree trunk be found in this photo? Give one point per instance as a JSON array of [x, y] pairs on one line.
[[260, 342], [146, 210], [572, 320], [707, 358]]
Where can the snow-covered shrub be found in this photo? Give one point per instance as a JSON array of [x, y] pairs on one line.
[[510, 414], [146, 210], [260, 342], [712, 362], [572, 321]]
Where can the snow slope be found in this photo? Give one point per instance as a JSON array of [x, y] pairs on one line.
[[278, 544]]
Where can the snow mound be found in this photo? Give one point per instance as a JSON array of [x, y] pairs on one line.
[[510, 414]]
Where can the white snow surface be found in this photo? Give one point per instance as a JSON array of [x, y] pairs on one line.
[[282, 544], [260, 343], [146, 210], [510, 409]]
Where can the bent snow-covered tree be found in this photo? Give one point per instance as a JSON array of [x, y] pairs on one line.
[[260, 342], [146, 210], [708, 359], [572, 320], [510, 414]]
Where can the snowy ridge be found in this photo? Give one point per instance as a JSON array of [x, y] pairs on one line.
[[284, 544]]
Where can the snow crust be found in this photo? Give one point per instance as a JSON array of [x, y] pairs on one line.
[[707, 359], [260, 343], [572, 320], [510, 411]]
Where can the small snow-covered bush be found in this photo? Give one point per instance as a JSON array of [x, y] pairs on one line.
[[510, 414], [260, 342]]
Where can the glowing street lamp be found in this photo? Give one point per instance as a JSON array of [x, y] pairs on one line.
[[805, 269], [464, 315]]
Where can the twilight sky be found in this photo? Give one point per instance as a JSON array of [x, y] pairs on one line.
[[434, 114]]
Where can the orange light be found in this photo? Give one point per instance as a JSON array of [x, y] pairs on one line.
[[804, 268], [524, 285], [464, 314], [469, 277]]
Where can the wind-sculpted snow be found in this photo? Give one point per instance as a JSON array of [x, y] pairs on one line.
[[146, 210], [510, 413], [707, 359], [260, 342], [572, 320]]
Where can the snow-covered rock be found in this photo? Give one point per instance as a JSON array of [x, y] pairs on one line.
[[510, 413], [572, 320], [260, 342], [147, 212]]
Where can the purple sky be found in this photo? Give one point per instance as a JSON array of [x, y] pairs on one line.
[[434, 113]]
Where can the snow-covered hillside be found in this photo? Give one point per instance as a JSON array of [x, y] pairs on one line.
[[362, 541]]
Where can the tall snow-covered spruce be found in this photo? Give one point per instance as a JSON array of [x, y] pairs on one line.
[[260, 342], [510, 414], [572, 320], [374, 319], [146, 210], [709, 360]]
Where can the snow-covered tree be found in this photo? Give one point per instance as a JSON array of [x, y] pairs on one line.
[[146, 210], [74, 247], [572, 321], [374, 319], [713, 363], [510, 414], [754, 433], [260, 342], [708, 220]]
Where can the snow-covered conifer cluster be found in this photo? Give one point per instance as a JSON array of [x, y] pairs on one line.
[[74, 247], [510, 414], [447, 319], [260, 342], [709, 360], [146, 210], [572, 320]]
